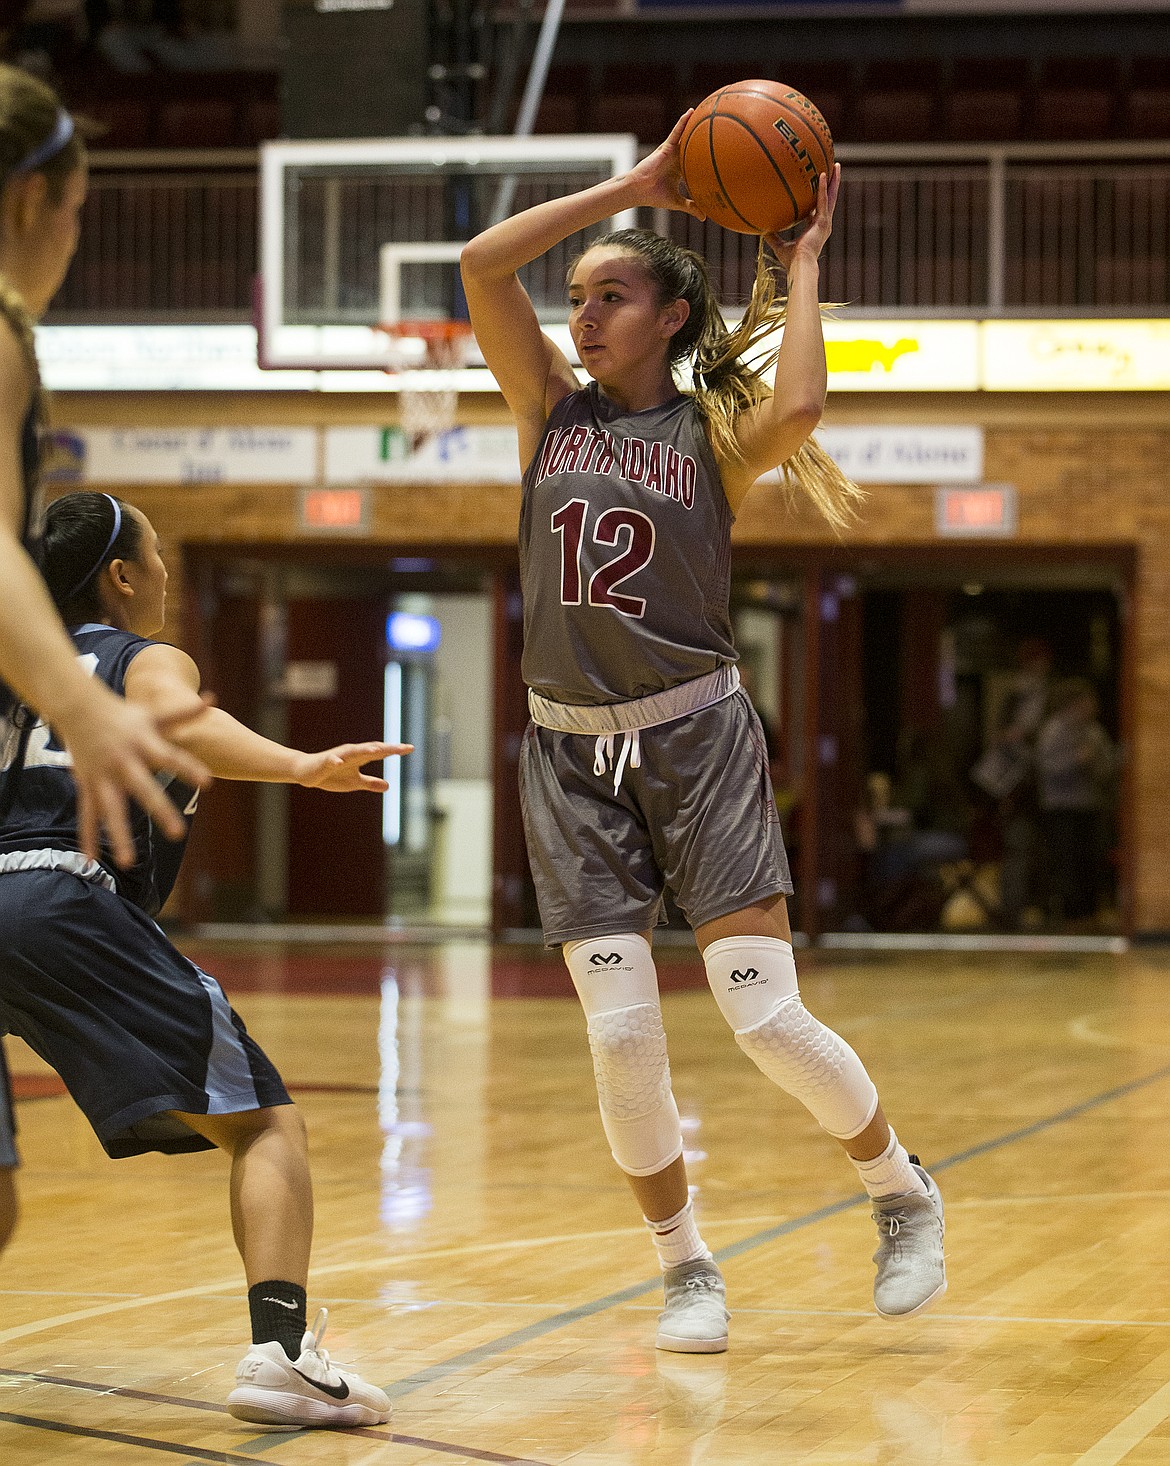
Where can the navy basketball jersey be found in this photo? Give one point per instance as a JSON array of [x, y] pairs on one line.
[[42, 814], [625, 552]]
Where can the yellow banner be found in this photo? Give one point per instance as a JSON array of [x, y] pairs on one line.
[[902, 356], [1076, 356]]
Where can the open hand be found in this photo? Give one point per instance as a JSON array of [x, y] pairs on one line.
[[658, 176], [339, 770], [816, 230]]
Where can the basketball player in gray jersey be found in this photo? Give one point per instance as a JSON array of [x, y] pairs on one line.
[[644, 764]]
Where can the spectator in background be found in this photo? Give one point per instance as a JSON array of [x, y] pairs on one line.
[[1006, 772], [1075, 767]]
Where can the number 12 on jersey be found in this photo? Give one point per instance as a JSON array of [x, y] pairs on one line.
[[613, 526]]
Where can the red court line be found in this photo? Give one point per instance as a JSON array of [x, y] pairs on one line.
[[36, 1086], [387, 1437]]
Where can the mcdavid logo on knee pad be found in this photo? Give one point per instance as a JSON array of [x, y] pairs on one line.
[[609, 958], [749, 976]]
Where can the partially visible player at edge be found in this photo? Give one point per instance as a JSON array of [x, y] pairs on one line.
[[102, 748], [146, 1042], [630, 487], [114, 746]]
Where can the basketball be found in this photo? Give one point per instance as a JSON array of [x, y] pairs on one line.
[[751, 156]]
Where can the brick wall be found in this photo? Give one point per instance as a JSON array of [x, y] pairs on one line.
[[1091, 471]]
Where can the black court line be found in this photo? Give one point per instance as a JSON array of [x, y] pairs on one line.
[[560, 1320], [556, 1321], [279, 1437], [192, 1453]]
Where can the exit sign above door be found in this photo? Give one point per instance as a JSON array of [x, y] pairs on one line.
[[985, 510]]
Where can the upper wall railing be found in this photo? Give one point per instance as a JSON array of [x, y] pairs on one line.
[[921, 230], [953, 230]]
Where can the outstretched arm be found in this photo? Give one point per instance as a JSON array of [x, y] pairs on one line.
[[231, 751], [532, 372], [771, 433]]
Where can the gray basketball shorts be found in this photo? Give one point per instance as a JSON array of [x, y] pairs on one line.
[[698, 816]]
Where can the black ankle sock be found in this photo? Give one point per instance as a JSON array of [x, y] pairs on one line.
[[278, 1315]]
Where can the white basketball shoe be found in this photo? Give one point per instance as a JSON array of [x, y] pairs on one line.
[[272, 1389], [694, 1320], [911, 1269]]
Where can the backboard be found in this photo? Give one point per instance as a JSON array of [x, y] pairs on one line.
[[358, 233]]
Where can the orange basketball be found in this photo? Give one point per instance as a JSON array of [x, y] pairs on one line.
[[751, 156]]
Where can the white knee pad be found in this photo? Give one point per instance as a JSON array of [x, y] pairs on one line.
[[754, 982], [618, 988]]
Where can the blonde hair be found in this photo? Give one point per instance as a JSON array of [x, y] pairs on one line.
[[725, 384], [29, 114]]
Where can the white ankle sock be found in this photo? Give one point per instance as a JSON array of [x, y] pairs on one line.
[[677, 1239], [890, 1174]]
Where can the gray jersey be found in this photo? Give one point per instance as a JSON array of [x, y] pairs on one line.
[[625, 552]]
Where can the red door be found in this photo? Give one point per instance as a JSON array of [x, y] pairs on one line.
[[334, 671]]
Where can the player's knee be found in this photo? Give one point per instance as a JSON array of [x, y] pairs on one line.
[[633, 1088], [629, 1060], [616, 982], [814, 1065]]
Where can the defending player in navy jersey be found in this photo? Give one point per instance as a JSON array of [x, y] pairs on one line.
[[114, 746], [146, 1042], [644, 764]]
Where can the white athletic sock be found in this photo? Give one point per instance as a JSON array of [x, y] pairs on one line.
[[890, 1174], [677, 1239]]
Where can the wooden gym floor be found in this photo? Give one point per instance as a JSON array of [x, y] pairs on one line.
[[483, 1261]]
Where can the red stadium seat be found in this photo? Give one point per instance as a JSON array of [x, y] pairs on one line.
[[1147, 105], [898, 102], [986, 100], [562, 106], [1076, 99], [125, 122], [259, 121], [637, 99], [205, 123]]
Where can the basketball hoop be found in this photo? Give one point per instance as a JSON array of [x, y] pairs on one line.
[[428, 391]]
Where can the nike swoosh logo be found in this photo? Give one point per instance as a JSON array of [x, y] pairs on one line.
[[280, 1303], [335, 1392]]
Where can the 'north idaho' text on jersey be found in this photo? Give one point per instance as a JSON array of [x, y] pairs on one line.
[[625, 552]]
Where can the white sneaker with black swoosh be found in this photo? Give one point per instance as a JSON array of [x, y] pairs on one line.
[[272, 1389]]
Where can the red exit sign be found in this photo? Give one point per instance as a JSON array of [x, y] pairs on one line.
[[334, 511], [988, 509]]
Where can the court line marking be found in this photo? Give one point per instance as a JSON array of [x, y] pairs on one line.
[[468, 1357], [275, 1437], [193, 1453], [1128, 1433], [560, 1320]]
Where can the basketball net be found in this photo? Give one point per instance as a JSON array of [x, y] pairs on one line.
[[428, 397]]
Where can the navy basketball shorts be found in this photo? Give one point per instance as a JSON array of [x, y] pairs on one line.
[[698, 816], [132, 1027]]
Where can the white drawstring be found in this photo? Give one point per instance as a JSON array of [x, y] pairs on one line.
[[631, 752]]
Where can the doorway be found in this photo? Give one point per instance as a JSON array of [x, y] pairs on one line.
[[346, 646]]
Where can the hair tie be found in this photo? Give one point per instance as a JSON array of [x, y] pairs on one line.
[[55, 142], [101, 560]]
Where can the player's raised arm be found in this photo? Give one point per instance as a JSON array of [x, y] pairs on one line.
[[159, 674], [531, 370], [770, 433]]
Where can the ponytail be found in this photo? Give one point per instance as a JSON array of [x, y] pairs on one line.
[[725, 385]]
